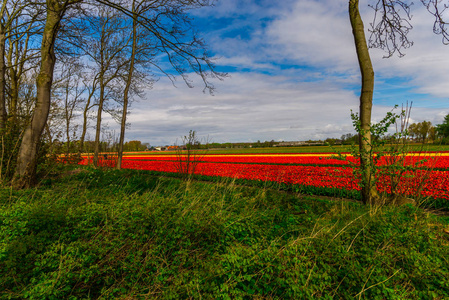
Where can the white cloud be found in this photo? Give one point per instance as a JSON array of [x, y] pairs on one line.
[[247, 107], [315, 33], [250, 107], [425, 63], [318, 34]]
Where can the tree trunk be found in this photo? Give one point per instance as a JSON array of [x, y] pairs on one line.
[[14, 76], [67, 116], [369, 191], [85, 115], [126, 95], [25, 173], [98, 127], [2, 80], [13, 81]]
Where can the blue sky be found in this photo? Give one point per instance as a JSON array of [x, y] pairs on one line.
[[293, 76]]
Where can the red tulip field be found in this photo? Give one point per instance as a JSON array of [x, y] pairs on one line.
[[319, 171]]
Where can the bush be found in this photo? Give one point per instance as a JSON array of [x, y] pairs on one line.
[[445, 141]]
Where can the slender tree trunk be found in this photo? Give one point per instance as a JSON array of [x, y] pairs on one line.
[[25, 173], [2, 80], [14, 97], [369, 192], [13, 83], [126, 95], [48, 134], [68, 117], [16, 70], [83, 131], [85, 115], [98, 127]]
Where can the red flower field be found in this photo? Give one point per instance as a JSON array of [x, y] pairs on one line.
[[321, 170]]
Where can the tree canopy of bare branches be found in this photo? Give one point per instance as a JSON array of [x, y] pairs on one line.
[[61, 26]]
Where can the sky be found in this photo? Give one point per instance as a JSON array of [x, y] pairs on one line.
[[293, 76]]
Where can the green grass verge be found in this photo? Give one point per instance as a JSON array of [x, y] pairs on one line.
[[130, 235]]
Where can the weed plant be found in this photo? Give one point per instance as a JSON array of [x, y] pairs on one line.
[[109, 234], [189, 155], [390, 163]]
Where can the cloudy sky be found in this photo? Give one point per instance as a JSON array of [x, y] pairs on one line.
[[293, 75]]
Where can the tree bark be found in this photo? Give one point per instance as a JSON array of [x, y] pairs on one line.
[[13, 81], [85, 116], [25, 173], [98, 127], [3, 115], [369, 191], [68, 117]]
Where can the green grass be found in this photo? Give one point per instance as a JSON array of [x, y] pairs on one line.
[[130, 235]]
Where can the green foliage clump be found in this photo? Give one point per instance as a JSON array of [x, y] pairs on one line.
[[443, 130], [387, 170], [127, 234]]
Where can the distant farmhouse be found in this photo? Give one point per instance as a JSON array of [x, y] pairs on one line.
[[168, 148], [297, 143]]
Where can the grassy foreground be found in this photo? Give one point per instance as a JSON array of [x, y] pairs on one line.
[[129, 235]]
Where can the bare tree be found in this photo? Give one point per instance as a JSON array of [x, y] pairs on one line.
[[2, 69], [437, 9], [166, 23], [21, 59], [91, 85], [71, 91], [141, 57], [369, 192], [389, 31], [17, 23], [390, 27], [129, 79], [106, 51], [182, 56], [10, 12], [27, 158]]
